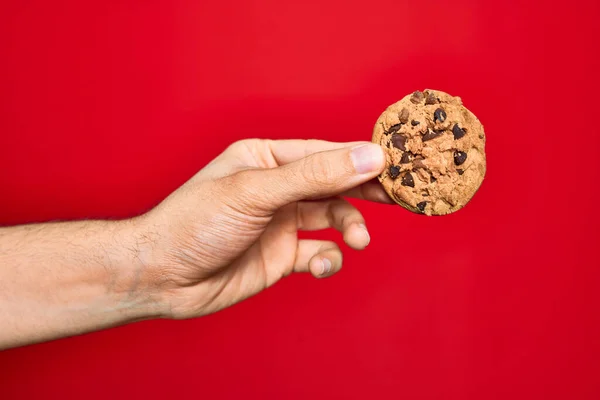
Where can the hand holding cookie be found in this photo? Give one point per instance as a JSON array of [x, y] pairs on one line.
[[231, 231]]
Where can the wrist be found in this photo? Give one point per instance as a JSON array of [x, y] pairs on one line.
[[132, 277]]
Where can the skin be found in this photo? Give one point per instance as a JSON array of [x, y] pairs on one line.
[[225, 235]]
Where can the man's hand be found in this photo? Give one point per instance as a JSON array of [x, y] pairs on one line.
[[225, 235], [231, 231]]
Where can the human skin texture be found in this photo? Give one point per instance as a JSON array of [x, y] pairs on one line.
[[225, 235]]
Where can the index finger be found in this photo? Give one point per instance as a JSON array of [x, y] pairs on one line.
[[290, 150], [287, 151]]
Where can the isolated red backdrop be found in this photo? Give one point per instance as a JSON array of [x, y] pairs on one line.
[[107, 106]]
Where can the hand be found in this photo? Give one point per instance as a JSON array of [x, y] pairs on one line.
[[231, 230]]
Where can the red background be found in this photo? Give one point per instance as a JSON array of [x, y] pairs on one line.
[[108, 106]]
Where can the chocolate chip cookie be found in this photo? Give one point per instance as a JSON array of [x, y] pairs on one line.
[[435, 152]]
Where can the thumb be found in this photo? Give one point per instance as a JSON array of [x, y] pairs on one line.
[[318, 175]]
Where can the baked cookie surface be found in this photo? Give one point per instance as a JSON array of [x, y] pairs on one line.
[[435, 152]]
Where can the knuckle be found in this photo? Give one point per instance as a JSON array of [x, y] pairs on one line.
[[245, 191], [318, 171], [246, 145], [239, 145], [256, 151]]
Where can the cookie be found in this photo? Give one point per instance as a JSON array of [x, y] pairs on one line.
[[435, 152]]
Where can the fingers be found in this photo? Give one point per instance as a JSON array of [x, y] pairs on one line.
[[264, 153], [318, 175], [371, 191], [288, 151], [338, 214], [320, 258]]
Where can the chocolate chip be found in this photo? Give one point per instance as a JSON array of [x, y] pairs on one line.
[[393, 129], [433, 179], [421, 206], [407, 180], [432, 134], [403, 116], [394, 171], [417, 97], [405, 158], [458, 132], [460, 171], [414, 123], [439, 115], [430, 98], [399, 141], [459, 157]]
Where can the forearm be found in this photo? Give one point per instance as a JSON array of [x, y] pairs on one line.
[[63, 279]]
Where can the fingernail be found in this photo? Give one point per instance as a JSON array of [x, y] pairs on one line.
[[364, 228], [367, 158], [326, 266]]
